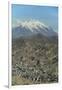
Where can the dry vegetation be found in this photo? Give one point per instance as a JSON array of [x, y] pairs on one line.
[[34, 60]]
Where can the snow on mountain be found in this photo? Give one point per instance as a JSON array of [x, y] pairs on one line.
[[31, 27]]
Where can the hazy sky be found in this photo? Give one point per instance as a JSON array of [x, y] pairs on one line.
[[46, 14]]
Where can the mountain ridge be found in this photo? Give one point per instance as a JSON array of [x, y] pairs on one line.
[[28, 28]]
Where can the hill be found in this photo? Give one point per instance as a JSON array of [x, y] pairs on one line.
[[35, 59]]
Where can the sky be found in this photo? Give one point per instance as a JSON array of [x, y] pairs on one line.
[[46, 14]]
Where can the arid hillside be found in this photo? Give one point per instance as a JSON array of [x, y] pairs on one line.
[[35, 60]]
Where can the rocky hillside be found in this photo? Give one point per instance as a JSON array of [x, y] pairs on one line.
[[34, 60]]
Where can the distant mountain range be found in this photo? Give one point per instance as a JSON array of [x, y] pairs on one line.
[[29, 28]]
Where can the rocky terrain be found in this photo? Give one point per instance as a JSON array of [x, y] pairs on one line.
[[34, 60], [34, 53]]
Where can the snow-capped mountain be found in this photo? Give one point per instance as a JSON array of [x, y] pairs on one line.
[[28, 28]]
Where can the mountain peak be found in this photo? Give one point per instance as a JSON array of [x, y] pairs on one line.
[[31, 24], [32, 27]]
